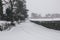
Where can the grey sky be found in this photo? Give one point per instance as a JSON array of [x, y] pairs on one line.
[[43, 6]]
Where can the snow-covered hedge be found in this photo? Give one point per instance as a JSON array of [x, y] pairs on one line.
[[4, 25], [49, 24]]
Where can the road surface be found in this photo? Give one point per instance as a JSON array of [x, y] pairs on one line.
[[30, 31]]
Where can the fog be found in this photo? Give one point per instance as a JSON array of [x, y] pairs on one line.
[[43, 6]]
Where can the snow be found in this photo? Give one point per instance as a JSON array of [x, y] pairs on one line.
[[46, 19], [30, 31], [4, 22]]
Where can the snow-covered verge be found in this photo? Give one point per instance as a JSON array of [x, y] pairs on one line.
[[49, 23], [30, 31]]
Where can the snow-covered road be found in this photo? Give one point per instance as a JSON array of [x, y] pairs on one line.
[[30, 31]]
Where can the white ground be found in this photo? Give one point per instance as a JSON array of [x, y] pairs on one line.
[[46, 19], [30, 31]]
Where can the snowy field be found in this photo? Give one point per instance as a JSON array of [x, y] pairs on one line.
[[46, 19], [30, 31]]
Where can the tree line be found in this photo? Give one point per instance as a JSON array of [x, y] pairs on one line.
[[15, 11]]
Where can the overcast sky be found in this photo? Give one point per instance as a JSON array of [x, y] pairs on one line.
[[43, 6]]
